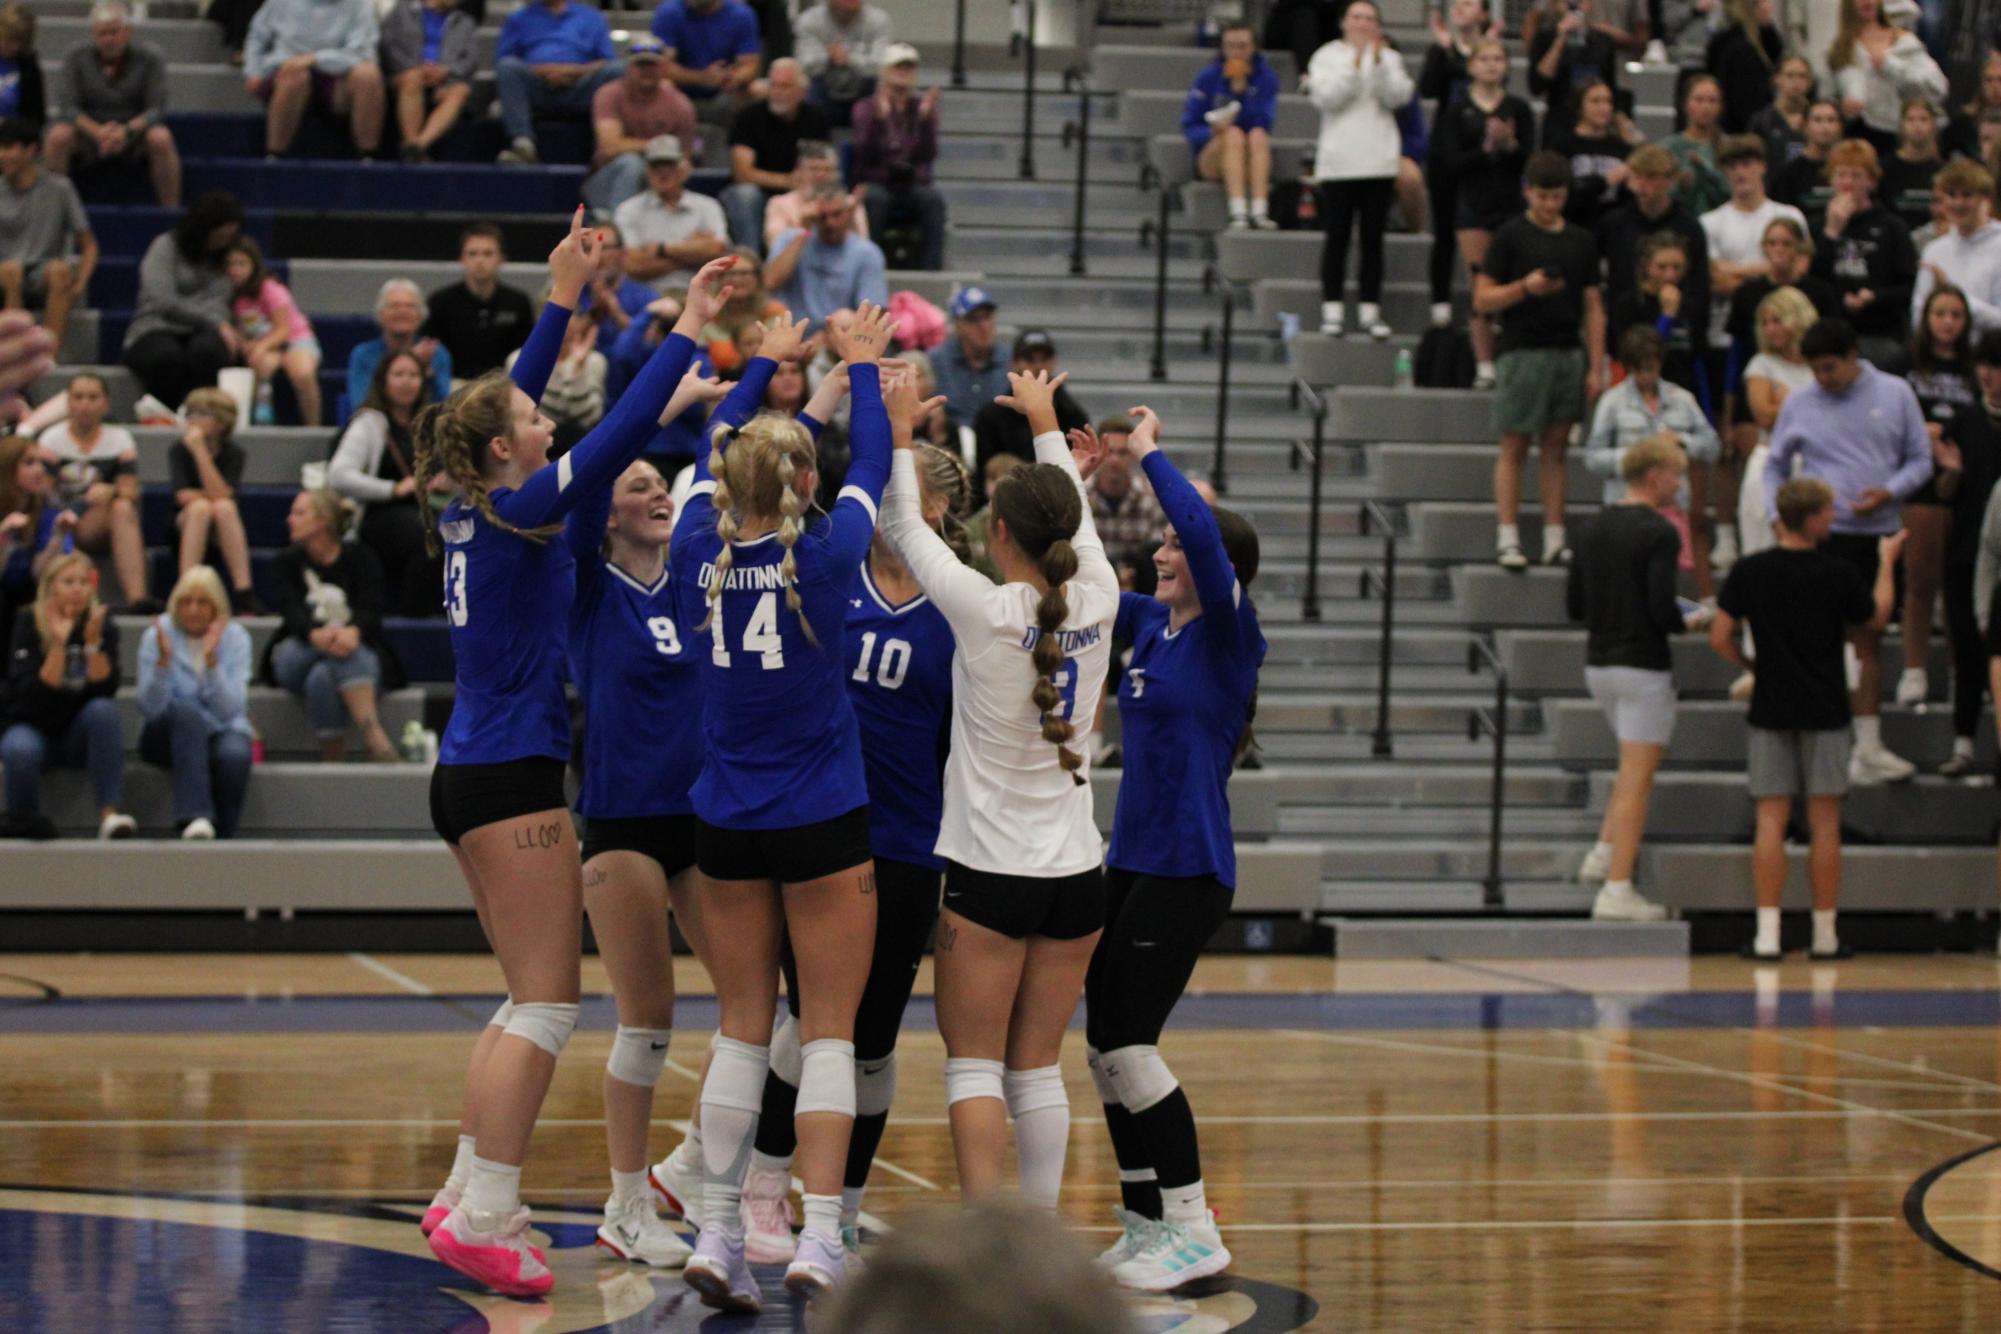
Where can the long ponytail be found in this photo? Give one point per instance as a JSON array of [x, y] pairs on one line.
[[448, 439], [1040, 507]]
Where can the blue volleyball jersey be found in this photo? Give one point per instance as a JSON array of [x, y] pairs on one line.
[[508, 597], [783, 747], [900, 683], [637, 664], [1182, 701]]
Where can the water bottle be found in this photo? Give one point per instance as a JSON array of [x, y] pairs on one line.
[[1405, 378], [1288, 329], [76, 667], [1576, 38], [263, 414]]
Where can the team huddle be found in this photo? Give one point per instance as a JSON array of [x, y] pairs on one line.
[[818, 737]]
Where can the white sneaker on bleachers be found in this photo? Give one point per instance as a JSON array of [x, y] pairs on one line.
[[117, 825], [198, 831]]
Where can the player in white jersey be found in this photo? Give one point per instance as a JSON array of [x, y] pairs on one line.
[[1024, 886]]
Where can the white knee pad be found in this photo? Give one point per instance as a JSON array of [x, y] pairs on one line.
[[785, 1058], [502, 1015], [736, 1076], [545, 1023], [1099, 1079], [1140, 1077], [1035, 1090], [875, 1086], [968, 1077], [638, 1055], [826, 1077]]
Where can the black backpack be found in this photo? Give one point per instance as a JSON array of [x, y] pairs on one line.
[[1444, 359]]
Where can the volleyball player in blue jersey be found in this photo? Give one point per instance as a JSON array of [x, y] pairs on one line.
[[781, 802], [497, 793], [1185, 700]]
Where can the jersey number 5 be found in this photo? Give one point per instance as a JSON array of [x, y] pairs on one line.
[[893, 666], [455, 588], [760, 635]]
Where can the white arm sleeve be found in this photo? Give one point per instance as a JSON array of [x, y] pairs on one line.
[[1092, 565], [960, 592]]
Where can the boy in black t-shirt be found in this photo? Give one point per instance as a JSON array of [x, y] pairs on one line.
[[480, 319], [1800, 602], [1540, 276]]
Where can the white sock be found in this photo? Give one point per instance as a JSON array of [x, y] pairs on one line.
[[1240, 208], [764, 1162], [1041, 1112], [1727, 532], [627, 1186], [1869, 733], [1768, 931], [1824, 939], [1185, 1204], [851, 1204], [1369, 312], [822, 1214], [1332, 312], [1484, 369], [1601, 849], [731, 1098], [1552, 539], [689, 1150], [1619, 886], [1259, 209], [1962, 746], [1507, 535], [461, 1163], [493, 1194]]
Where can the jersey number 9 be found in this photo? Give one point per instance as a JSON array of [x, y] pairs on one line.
[[760, 635], [455, 588], [666, 639], [891, 668]]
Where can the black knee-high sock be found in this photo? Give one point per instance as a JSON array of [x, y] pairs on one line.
[[775, 1137], [1142, 1196], [1167, 1130], [863, 1141]]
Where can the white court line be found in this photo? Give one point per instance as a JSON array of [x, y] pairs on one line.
[[383, 970], [906, 1174], [1452, 1049], [1593, 1224]]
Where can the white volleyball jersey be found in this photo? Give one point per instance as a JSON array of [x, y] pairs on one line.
[[1009, 806]]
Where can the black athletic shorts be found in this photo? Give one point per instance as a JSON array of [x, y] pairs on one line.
[[668, 839], [789, 856], [1061, 907], [1859, 550], [465, 797]]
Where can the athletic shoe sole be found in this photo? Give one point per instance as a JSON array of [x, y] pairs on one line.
[[670, 1199], [808, 1281], [715, 1291], [432, 1218], [633, 1258], [476, 1262], [1207, 1267]]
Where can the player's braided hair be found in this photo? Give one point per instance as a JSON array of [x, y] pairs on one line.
[[757, 471], [1240, 544], [1040, 506], [450, 438], [944, 473]]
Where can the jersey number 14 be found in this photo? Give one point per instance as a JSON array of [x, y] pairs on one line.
[[760, 635]]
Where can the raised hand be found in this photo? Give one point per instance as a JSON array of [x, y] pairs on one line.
[[694, 388], [161, 633], [904, 404], [26, 351], [574, 261], [705, 297], [783, 339], [212, 638], [862, 342], [1030, 390], [60, 628], [1087, 450], [1145, 438], [11, 525]]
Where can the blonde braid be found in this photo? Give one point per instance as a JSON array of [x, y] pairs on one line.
[[446, 439], [725, 518], [791, 523], [944, 472]]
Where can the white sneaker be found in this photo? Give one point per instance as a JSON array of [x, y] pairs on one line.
[[1240, 222], [1511, 557], [677, 1185], [198, 831], [1723, 552], [1333, 320], [1871, 768], [1914, 686], [1483, 378], [1596, 868], [1138, 1232], [767, 1217], [520, 153], [1441, 314], [1263, 222], [1370, 317], [117, 825], [1625, 904], [1656, 53], [1176, 1253], [633, 1231]]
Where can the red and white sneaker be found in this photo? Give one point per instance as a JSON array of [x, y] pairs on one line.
[[632, 1231], [717, 1271], [502, 1260], [446, 1200], [767, 1217], [677, 1184]]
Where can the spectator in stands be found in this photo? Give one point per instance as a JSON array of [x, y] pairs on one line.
[[1803, 182], [615, 298], [1001, 430], [1227, 121], [1646, 406], [1566, 51], [47, 251], [329, 651], [1963, 136], [62, 700], [1974, 436], [1940, 222], [1659, 303], [625, 116], [1650, 174], [1700, 184], [977, 527], [33, 525], [841, 44], [21, 91], [276, 333], [1781, 319], [1128, 518], [1541, 277], [1744, 54], [1788, 262], [1781, 122], [1597, 154], [206, 470], [970, 375], [113, 100], [479, 319], [1799, 600], [182, 334], [194, 681], [1865, 252], [896, 141], [575, 397], [937, 427], [1301, 27], [371, 466], [765, 139], [669, 230], [746, 305], [96, 472], [1878, 67], [1442, 81], [400, 312], [553, 57], [304, 53], [823, 267], [1862, 432], [819, 166], [1969, 256], [714, 52], [1939, 369], [1622, 586], [429, 54], [1910, 171], [1483, 140]]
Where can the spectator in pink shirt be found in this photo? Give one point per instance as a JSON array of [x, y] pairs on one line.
[[819, 164], [625, 114], [276, 333]]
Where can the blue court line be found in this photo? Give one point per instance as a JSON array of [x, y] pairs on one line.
[[1216, 1011]]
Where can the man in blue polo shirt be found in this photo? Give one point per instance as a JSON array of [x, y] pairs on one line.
[[553, 57], [823, 268], [714, 53]]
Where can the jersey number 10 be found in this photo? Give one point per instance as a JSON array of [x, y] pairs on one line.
[[891, 668]]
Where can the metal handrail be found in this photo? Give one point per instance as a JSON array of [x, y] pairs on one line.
[[959, 46], [1480, 654], [1218, 478], [1151, 179], [1028, 100], [1305, 395], [1374, 515], [1078, 132]]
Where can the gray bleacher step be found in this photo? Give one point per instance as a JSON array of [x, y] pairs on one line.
[[80, 338], [181, 41], [1406, 302], [976, 111], [982, 154], [1406, 255], [1253, 801], [1278, 877], [1308, 748], [1711, 878], [1431, 822], [1376, 415], [272, 455], [1356, 712], [1407, 783], [1716, 734], [280, 720], [1323, 359], [1464, 530], [1547, 661], [1488, 595], [1507, 938], [1266, 372], [1287, 579], [1451, 897], [1331, 645], [285, 800], [1187, 254], [1151, 111], [1447, 859], [1456, 472], [1117, 63], [1713, 807], [348, 875]]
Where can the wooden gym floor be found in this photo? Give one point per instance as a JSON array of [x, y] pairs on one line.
[[238, 1142]]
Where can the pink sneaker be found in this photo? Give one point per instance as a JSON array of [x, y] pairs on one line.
[[446, 1200], [767, 1218], [503, 1260], [717, 1271]]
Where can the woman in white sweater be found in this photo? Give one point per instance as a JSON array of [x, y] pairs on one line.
[[1024, 899], [1878, 67], [1358, 83]]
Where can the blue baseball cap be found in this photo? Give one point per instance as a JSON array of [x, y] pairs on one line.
[[971, 299], [645, 46]]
